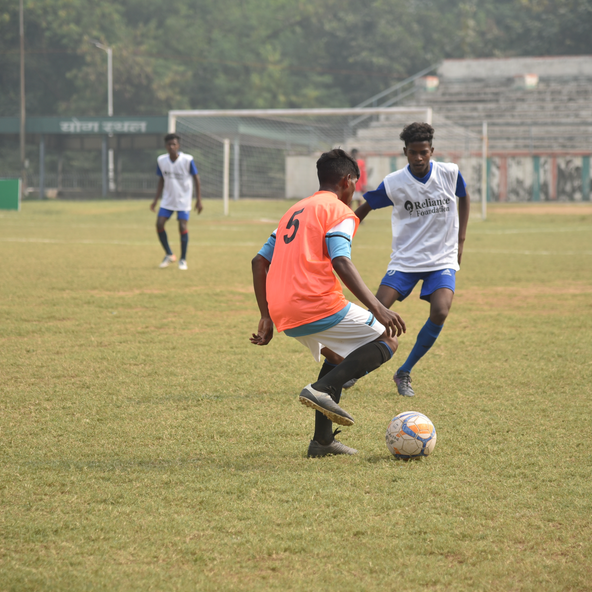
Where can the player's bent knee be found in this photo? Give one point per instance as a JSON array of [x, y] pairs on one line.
[[331, 356], [439, 316], [391, 342]]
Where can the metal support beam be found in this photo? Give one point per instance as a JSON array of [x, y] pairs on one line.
[[484, 173], [226, 175], [105, 167], [111, 170], [236, 168], [42, 167]]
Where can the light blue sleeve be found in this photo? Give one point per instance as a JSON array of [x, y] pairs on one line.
[[268, 248], [192, 168], [338, 245]]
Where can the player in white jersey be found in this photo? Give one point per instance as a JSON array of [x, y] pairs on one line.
[[428, 236], [178, 175]]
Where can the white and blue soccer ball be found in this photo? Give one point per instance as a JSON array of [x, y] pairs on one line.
[[410, 435]]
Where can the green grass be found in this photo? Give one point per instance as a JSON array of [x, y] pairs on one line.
[[146, 445]]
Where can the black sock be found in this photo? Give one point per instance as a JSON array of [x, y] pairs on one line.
[[360, 362], [323, 425], [184, 242], [164, 241]]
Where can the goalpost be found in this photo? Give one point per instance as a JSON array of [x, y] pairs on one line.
[[271, 153]]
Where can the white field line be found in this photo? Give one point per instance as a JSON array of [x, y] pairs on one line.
[[116, 242], [485, 251], [523, 252], [20, 224], [253, 244], [534, 230]]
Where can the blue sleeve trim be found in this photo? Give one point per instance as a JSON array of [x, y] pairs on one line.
[[158, 171], [378, 198], [318, 326], [268, 248], [192, 168], [340, 234], [461, 186], [338, 245]]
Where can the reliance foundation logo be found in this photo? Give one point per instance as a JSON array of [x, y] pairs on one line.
[[428, 206]]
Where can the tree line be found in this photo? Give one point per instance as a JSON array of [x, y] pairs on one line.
[[233, 54]]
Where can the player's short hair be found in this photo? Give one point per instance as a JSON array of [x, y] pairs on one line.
[[417, 132], [332, 166], [170, 137]]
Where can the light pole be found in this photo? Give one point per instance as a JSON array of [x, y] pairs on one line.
[[109, 74], [111, 166], [23, 109]]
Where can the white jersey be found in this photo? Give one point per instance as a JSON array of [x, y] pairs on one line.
[[178, 182], [424, 220]]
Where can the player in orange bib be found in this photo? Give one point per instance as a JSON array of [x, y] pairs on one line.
[[297, 290]]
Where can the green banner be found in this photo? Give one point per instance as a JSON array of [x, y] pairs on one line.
[[86, 125], [10, 194]]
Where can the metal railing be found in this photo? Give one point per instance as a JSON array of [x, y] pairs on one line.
[[87, 183], [398, 91]]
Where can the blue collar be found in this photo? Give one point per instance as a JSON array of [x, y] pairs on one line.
[[425, 179]]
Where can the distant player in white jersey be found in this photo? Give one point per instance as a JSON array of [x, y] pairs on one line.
[[428, 236], [178, 175]]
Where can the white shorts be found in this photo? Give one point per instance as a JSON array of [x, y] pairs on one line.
[[357, 328]]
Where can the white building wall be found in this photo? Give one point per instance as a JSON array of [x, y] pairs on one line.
[[301, 176], [377, 168]]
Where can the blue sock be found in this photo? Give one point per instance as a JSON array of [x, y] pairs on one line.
[[184, 242], [164, 241], [425, 339]]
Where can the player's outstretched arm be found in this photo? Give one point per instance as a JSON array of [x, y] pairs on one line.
[[159, 189], [198, 204], [464, 208], [350, 276], [260, 266], [363, 211]]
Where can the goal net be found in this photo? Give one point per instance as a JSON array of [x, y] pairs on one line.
[[272, 153]]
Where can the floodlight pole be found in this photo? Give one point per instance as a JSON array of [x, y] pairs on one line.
[[109, 82], [111, 166], [23, 105], [109, 74]]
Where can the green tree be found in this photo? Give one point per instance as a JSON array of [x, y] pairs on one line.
[[225, 54]]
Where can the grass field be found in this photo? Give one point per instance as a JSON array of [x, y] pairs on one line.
[[146, 445]]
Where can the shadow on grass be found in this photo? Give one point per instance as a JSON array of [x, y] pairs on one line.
[[110, 465], [391, 459]]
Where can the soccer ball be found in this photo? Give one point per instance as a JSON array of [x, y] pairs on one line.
[[410, 434]]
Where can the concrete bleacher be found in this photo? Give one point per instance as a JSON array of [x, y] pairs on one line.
[[539, 125], [554, 115]]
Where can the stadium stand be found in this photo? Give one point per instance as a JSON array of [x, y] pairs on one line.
[[530, 104], [539, 120]]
